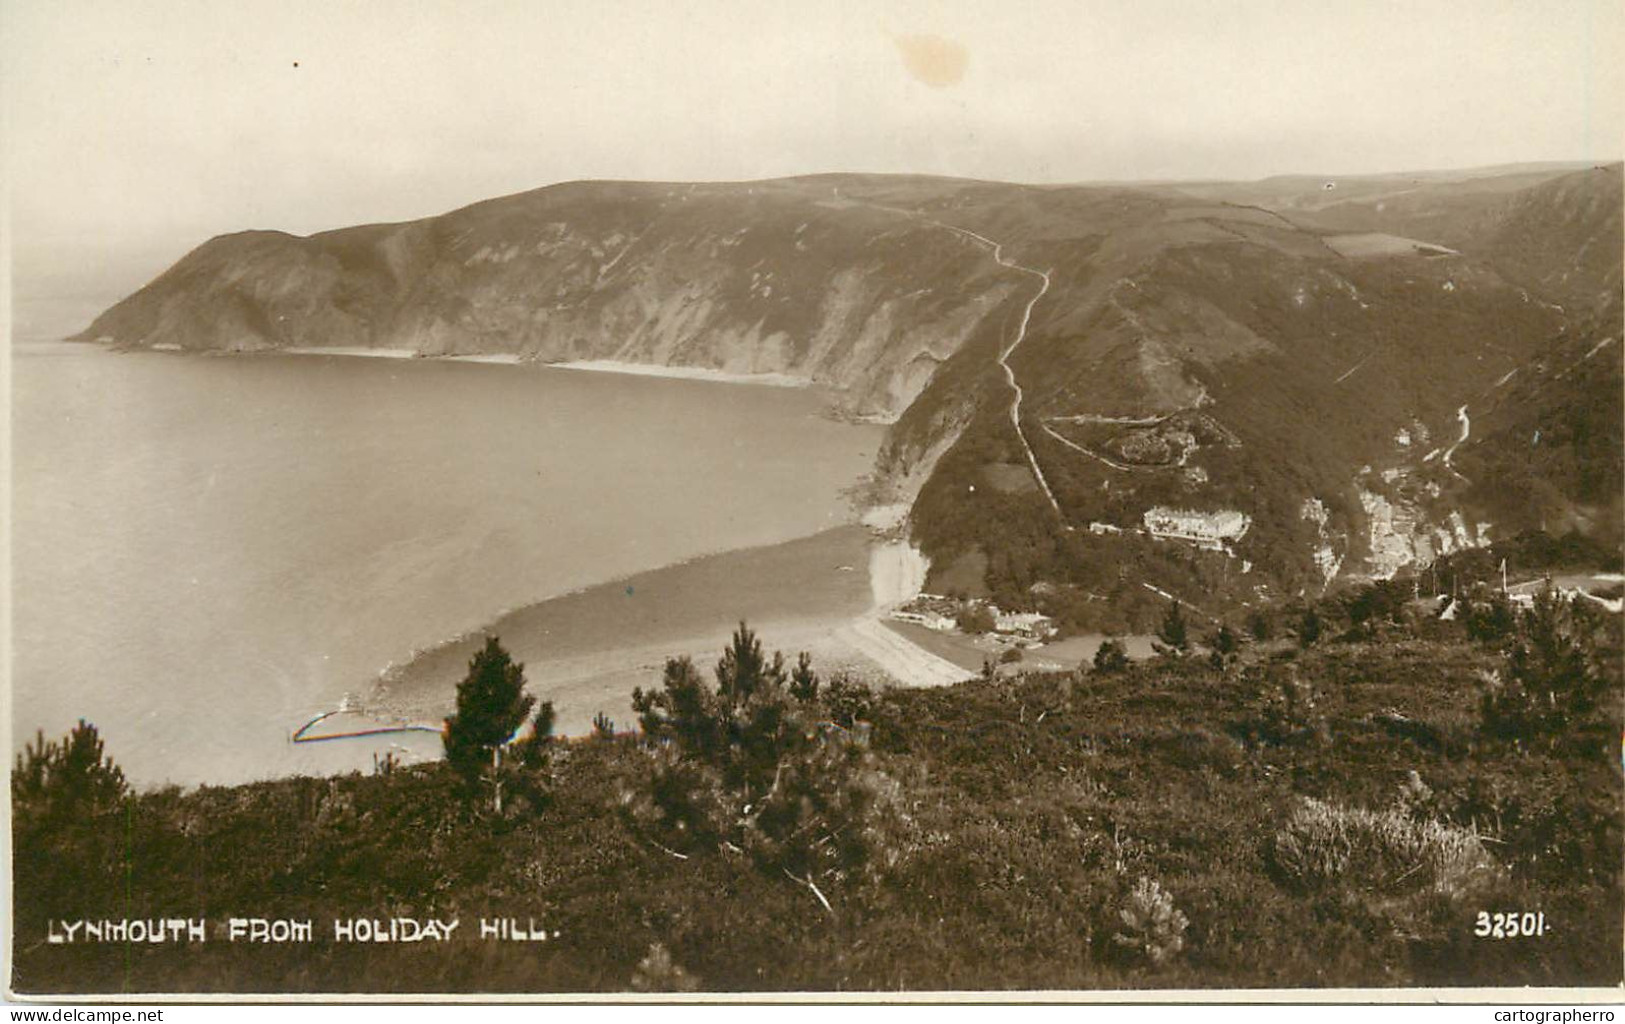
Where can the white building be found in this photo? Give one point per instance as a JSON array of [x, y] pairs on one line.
[[1023, 624], [1212, 530], [930, 620]]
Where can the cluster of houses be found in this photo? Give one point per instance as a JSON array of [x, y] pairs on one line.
[[934, 611], [1523, 595], [1602, 589]]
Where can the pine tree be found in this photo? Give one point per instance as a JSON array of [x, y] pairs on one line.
[[539, 744], [1224, 644], [1174, 633], [73, 776], [1309, 628], [1553, 681], [743, 671], [1258, 624], [491, 706], [1110, 657], [683, 709], [803, 680]]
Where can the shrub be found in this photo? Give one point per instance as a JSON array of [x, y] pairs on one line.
[[1373, 604], [1152, 927], [974, 618], [848, 701], [1325, 846], [1283, 707], [1491, 621]]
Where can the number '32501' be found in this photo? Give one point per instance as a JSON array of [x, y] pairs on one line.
[[1511, 925]]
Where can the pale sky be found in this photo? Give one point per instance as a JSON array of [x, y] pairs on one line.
[[134, 119]]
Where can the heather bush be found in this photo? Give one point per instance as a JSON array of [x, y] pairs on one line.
[[1324, 846], [657, 972]]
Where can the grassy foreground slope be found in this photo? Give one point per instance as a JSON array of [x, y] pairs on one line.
[[1332, 816]]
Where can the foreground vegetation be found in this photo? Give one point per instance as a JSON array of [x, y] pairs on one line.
[[1334, 809]]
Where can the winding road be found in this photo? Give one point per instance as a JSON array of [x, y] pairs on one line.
[[997, 249]]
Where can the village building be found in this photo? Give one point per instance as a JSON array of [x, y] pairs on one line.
[[930, 620], [1211, 530], [1024, 624]]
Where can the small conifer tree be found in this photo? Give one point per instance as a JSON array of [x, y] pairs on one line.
[[491, 706], [1110, 656], [1173, 633]]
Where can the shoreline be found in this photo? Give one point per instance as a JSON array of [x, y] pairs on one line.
[[632, 369], [772, 380], [586, 650]]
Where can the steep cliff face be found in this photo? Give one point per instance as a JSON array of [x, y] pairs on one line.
[[1251, 351], [786, 277]]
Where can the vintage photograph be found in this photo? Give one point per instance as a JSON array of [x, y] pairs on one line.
[[679, 501]]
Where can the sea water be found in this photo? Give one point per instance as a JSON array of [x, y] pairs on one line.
[[207, 551]]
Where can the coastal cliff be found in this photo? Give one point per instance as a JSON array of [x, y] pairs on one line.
[[1057, 362], [781, 277]]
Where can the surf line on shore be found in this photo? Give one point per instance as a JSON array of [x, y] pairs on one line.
[[626, 367]]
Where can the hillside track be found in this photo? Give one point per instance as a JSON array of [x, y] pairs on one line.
[[1043, 276], [997, 249]]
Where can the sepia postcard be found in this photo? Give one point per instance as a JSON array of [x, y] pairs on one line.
[[1082, 501]]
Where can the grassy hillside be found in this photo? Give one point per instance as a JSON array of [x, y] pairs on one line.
[[1332, 816], [1309, 360], [1313, 375]]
